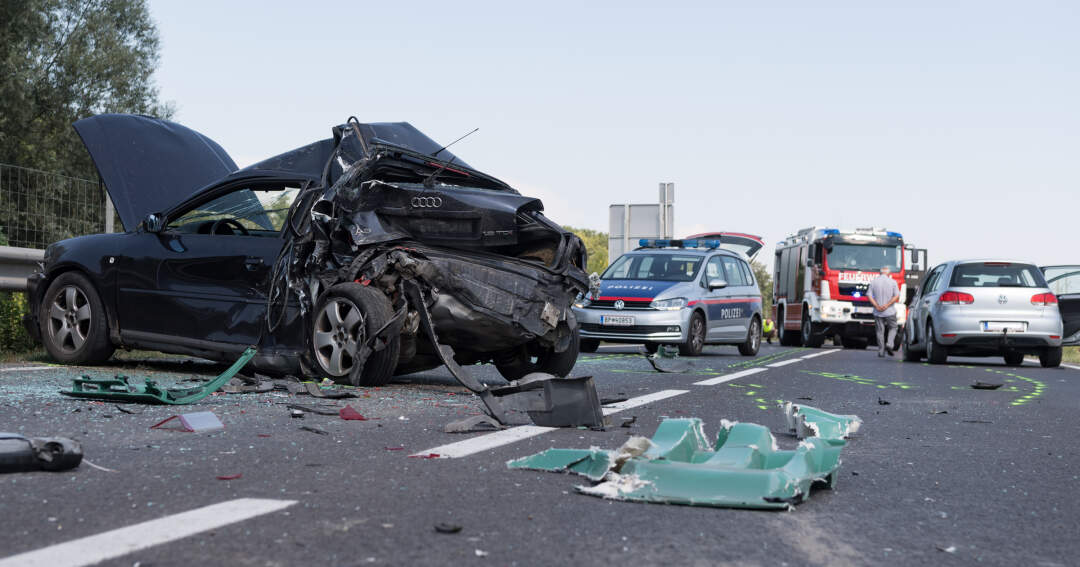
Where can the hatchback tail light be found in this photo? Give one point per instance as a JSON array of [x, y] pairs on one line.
[[957, 298], [1044, 299]]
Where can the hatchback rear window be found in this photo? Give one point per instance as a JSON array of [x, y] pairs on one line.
[[996, 274]]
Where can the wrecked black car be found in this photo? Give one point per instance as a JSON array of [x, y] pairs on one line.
[[372, 253]]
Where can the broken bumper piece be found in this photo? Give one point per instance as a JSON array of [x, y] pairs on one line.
[[20, 454], [806, 421], [120, 390], [744, 468]]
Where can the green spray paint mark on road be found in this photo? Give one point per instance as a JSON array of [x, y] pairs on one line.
[[1038, 387], [860, 380]]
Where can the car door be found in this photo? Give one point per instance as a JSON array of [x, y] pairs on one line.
[[927, 298], [201, 280], [737, 309], [1064, 281], [712, 298]]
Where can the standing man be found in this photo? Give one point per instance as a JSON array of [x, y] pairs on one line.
[[883, 293]]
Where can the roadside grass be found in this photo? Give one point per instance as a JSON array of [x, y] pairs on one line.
[[39, 355], [1071, 354]]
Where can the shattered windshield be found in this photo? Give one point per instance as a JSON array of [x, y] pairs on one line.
[[863, 257], [406, 136], [659, 267]]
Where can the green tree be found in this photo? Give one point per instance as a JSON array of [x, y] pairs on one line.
[[62, 60], [596, 243], [764, 279]]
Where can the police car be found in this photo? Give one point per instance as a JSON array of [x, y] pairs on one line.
[[688, 292]]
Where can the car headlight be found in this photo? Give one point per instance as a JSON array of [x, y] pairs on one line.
[[582, 301], [673, 304]]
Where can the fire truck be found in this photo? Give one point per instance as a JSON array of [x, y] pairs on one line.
[[820, 279]]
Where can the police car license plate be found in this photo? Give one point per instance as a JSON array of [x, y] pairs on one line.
[[1001, 326], [864, 309], [617, 320]]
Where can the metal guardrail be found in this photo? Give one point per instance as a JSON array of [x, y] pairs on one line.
[[38, 208], [16, 264]]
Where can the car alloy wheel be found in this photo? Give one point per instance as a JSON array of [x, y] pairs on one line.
[[69, 319], [339, 327]]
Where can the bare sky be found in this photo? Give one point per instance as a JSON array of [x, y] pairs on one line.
[[955, 123]]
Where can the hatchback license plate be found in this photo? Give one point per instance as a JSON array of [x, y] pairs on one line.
[[1002, 326], [617, 320]]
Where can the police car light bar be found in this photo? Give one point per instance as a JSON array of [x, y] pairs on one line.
[[668, 243]]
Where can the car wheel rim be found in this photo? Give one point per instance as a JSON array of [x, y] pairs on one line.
[[929, 341], [339, 328], [69, 319], [806, 330], [755, 335], [698, 334]]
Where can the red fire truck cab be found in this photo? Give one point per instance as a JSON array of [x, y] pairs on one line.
[[820, 278]]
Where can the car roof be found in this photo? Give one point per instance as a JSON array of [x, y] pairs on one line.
[[998, 260]]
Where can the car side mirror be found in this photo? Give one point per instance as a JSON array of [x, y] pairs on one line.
[[152, 222], [717, 284]]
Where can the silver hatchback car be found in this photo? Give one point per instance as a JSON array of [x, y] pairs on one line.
[[984, 308]]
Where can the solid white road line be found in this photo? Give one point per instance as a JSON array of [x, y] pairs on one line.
[[822, 353], [481, 443], [1073, 366], [784, 362], [21, 368], [112, 544], [729, 377]]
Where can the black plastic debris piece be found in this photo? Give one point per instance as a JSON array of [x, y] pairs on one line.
[[938, 412], [315, 430], [445, 528], [296, 414], [985, 386], [557, 402], [613, 399], [882, 402], [124, 409], [316, 410], [628, 421], [21, 454]]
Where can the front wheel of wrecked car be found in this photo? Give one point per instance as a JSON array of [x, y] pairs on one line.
[[345, 317], [74, 327], [588, 345], [520, 362]]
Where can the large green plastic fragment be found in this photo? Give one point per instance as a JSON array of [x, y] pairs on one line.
[[120, 390], [806, 421], [744, 468]]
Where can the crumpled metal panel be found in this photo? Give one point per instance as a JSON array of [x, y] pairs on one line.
[[744, 468]]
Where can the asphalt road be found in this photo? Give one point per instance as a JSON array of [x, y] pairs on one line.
[[939, 473]]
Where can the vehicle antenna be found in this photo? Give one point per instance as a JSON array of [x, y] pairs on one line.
[[454, 142]]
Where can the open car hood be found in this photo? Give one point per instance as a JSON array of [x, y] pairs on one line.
[[746, 243], [148, 165]]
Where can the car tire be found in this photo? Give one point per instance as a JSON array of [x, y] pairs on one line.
[[73, 322], [807, 335], [908, 354], [935, 353], [1051, 357], [519, 363], [588, 345], [1014, 358], [752, 344], [344, 317], [695, 336]]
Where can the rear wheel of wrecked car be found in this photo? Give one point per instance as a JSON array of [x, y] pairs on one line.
[[750, 346], [520, 361], [1051, 357], [74, 327], [588, 345], [695, 336], [344, 318], [1013, 358]]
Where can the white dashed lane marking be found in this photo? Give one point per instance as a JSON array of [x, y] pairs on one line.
[[122, 541]]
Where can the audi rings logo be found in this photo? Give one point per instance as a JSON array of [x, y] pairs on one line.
[[426, 202]]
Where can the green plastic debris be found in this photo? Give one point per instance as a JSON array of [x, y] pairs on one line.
[[806, 421], [120, 390], [744, 468]]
